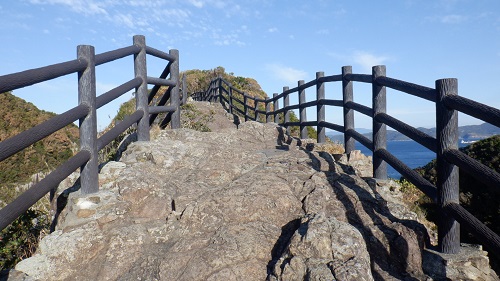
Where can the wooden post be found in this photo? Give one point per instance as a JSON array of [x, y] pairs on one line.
[[218, 92], [230, 99], [141, 92], [184, 93], [245, 106], [276, 106], [213, 89], [302, 111], [255, 112], [174, 94], [88, 125], [269, 117], [379, 129], [347, 96], [447, 174], [286, 114], [208, 94], [320, 108]]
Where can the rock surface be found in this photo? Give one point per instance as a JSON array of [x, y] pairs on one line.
[[237, 204]]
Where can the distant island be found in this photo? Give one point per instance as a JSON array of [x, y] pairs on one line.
[[466, 134]]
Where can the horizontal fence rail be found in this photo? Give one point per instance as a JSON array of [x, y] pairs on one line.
[[86, 159], [445, 194]]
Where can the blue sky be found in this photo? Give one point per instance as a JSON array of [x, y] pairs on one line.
[[275, 42]]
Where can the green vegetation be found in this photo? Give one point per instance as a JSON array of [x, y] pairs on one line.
[[20, 239], [16, 116], [108, 153], [199, 80], [194, 119], [475, 196]]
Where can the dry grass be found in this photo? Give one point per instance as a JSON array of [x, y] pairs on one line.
[[155, 131], [330, 147]]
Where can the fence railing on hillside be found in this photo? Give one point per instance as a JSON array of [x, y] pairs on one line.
[[87, 158], [445, 145]]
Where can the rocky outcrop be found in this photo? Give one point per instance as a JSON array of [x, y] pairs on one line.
[[240, 204]]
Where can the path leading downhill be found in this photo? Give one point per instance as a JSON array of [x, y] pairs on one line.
[[232, 204]]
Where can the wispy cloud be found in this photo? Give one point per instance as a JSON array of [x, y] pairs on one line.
[[287, 74], [197, 3], [367, 60], [323, 32], [272, 29], [222, 38], [86, 7], [147, 16], [363, 59], [124, 19], [453, 19]]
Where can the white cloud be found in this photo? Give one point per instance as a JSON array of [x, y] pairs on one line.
[[197, 3], [367, 60], [86, 7], [341, 57], [123, 19], [323, 32], [272, 29], [363, 59], [286, 73], [176, 15], [223, 38], [453, 19]]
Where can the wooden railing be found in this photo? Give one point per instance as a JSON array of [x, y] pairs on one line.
[[87, 158], [445, 145]]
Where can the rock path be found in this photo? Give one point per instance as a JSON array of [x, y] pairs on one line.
[[232, 204]]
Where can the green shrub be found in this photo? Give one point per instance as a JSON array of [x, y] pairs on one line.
[[20, 239]]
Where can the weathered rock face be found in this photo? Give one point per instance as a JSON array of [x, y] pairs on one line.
[[242, 204]]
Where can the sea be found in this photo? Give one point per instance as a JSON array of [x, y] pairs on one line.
[[409, 152]]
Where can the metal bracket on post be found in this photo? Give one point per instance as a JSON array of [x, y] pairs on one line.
[[379, 129], [175, 98], [347, 96], [320, 108], [141, 92], [447, 174], [88, 125]]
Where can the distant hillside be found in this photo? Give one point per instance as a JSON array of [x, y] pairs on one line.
[[17, 115], [465, 133], [479, 199], [199, 80]]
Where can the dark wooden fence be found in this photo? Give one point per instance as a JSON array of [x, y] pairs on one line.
[[87, 158], [445, 145]]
